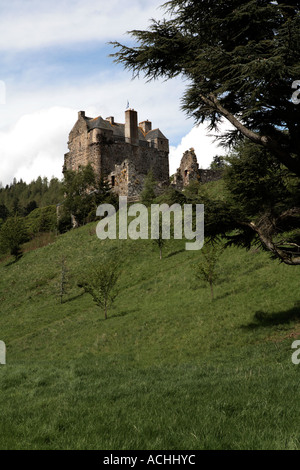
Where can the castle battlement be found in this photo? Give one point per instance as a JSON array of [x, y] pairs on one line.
[[123, 153]]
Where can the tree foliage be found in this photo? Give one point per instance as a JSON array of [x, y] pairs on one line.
[[100, 282], [42, 219], [13, 234], [264, 202], [23, 198], [261, 205], [148, 192], [83, 193], [258, 183], [239, 60], [206, 268]]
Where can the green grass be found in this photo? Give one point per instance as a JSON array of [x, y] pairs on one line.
[[169, 369]]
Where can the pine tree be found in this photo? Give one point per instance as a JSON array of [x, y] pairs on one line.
[[240, 61], [207, 267], [148, 193]]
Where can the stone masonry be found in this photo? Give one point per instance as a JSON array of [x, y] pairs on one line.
[[123, 154], [189, 171]]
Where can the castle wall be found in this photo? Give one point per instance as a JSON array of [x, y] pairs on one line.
[[205, 176], [122, 159], [130, 164]]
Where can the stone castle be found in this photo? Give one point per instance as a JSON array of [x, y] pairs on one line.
[[123, 154]]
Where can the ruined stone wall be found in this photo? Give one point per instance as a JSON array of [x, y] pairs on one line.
[[127, 165], [189, 168], [205, 176], [189, 171], [121, 175]]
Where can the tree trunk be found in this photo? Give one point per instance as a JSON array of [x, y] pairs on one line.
[[265, 141], [211, 290], [266, 239]]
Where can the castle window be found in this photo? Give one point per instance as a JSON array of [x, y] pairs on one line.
[[113, 182], [185, 173]]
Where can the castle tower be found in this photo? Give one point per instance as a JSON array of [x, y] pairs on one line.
[[131, 127]]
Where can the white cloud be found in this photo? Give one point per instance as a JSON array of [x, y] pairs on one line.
[[105, 94], [41, 107], [36, 24], [39, 122], [35, 145]]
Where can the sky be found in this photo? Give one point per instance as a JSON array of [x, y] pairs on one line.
[[55, 62]]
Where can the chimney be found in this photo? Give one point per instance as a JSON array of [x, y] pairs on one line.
[[146, 126], [131, 127], [111, 119], [81, 114]]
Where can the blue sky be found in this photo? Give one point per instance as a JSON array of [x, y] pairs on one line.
[[55, 61]]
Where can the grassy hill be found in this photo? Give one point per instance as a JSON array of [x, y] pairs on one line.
[[169, 369]]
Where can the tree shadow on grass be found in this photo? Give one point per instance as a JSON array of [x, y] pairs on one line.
[[123, 313], [74, 297], [115, 315], [272, 319], [173, 253], [13, 261]]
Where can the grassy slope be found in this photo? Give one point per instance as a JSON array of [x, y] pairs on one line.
[[169, 369]]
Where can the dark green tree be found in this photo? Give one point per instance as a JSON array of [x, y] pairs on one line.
[[258, 183], [84, 191], [80, 187], [30, 207], [218, 163], [148, 193], [42, 219], [13, 234], [239, 59], [261, 205], [4, 212], [171, 196], [25, 197], [264, 202], [16, 208]]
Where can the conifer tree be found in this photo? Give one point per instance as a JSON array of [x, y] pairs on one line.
[[148, 192], [239, 59], [241, 62]]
